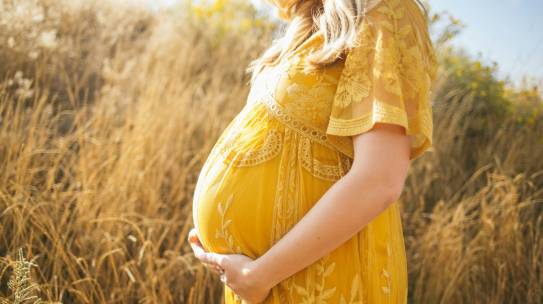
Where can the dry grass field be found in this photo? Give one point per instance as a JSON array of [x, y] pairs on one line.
[[108, 111]]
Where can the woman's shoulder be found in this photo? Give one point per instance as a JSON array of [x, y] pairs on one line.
[[397, 28], [379, 11]]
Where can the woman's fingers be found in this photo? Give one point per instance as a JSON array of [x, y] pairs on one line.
[[211, 260], [214, 268], [193, 237], [197, 249], [195, 243]]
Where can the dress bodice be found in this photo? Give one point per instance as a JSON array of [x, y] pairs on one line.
[[300, 100], [385, 78]]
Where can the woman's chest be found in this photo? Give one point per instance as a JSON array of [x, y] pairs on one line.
[[305, 95]]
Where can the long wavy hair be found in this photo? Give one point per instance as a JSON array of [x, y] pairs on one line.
[[337, 20]]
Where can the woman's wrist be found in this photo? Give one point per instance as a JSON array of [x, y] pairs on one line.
[[265, 275]]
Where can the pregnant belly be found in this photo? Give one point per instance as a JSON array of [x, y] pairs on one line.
[[252, 163], [233, 207]]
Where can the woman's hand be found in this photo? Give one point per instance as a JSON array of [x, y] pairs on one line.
[[238, 271], [198, 248]]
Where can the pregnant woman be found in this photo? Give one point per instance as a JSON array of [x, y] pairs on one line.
[[298, 201]]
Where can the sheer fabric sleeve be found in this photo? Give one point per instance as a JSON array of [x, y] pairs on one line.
[[387, 76]]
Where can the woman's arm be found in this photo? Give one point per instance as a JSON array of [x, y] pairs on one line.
[[376, 179]]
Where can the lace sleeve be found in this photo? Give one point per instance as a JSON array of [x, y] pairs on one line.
[[387, 77]]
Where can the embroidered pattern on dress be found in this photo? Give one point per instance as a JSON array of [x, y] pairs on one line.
[[386, 289], [315, 290], [309, 93], [354, 296], [386, 274], [402, 60], [265, 89], [319, 169], [287, 195], [254, 155], [355, 82], [286, 204], [393, 58], [385, 112], [342, 144], [308, 99], [222, 232]]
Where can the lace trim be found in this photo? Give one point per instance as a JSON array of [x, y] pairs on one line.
[[340, 144], [382, 112], [287, 204], [254, 156], [319, 169]]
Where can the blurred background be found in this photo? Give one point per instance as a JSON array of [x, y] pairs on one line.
[[108, 110]]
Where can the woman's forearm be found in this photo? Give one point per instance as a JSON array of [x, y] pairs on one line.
[[348, 205]]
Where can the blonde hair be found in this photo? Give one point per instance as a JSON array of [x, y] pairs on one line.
[[337, 20]]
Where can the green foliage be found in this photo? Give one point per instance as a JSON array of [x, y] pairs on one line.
[[476, 79], [528, 109], [491, 99], [467, 79], [451, 28], [229, 16]]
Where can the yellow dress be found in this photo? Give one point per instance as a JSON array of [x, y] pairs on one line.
[[292, 141]]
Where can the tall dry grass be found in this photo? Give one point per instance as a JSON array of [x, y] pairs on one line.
[[108, 112]]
